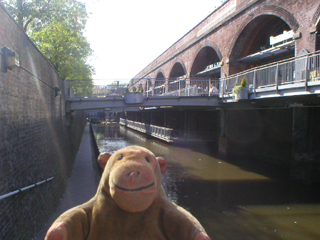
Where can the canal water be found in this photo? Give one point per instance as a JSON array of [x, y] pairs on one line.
[[232, 198]]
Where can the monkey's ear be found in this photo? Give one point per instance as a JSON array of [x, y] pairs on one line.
[[103, 159], [163, 164]]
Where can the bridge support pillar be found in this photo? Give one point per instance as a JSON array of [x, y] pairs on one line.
[[223, 141], [186, 125], [305, 165]]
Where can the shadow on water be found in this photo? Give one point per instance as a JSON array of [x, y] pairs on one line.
[[247, 209], [232, 198]]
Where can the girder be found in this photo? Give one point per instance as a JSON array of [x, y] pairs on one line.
[[117, 103]]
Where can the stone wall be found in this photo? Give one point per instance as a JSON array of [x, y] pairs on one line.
[[35, 142]]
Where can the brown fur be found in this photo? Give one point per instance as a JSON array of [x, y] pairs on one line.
[[130, 203]]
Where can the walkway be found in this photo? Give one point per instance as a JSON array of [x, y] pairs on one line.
[[82, 183]]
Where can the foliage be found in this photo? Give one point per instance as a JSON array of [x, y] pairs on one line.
[[81, 88], [33, 15], [244, 82], [134, 89], [118, 83], [237, 89], [66, 49], [314, 75], [56, 27]]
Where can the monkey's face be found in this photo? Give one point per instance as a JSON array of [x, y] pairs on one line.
[[134, 178]]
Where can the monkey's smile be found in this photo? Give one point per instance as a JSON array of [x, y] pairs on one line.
[[132, 190]]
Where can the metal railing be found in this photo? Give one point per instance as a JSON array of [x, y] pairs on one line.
[[293, 70], [25, 188], [161, 132], [298, 69], [153, 130], [150, 88], [168, 134], [179, 87]]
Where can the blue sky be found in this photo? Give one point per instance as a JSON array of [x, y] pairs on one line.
[[127, 35]]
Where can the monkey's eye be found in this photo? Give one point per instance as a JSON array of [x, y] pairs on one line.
[[147, 159], [120, 157]]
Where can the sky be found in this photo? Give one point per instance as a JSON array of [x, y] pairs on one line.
[[127, 35]]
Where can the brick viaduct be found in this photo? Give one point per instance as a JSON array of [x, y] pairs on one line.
[[233, 31], [37, 141], [234, 37]]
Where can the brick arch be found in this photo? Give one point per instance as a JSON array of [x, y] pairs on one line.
[[173, 64], [248, 26], [286, 16], [201, 46], [197, 64], [316, 17], [158, 82], [169, 81], [316, 23], [158, 72], [281, 13], [207, 43]]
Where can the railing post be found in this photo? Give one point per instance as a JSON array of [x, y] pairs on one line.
[[147, 88], [222, 82], [306, 80], [276, 78], [254, 82]]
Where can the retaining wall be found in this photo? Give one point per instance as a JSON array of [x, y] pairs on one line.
[[35, 142]]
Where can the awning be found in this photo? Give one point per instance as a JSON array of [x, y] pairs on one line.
[[213, 68], [270, 52]]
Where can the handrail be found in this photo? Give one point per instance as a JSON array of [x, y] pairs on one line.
[[153, 130], [199, 86], [25, 188], [301, 69], [266, 66]]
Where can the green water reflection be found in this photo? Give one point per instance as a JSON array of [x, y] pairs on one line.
[[232, 198]]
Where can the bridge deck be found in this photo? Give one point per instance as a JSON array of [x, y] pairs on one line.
[[117, 103], [292, 77]]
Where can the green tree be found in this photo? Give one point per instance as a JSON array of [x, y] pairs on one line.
[[66, 49], [56, 27], [33, 15]]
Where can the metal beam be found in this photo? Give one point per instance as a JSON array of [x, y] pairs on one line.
[[117, 103]]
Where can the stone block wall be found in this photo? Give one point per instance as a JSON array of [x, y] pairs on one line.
[[35, 142]]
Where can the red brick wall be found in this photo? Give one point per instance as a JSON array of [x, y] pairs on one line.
[[35, 143], [223, 27]]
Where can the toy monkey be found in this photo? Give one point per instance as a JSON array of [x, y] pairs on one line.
[[130, 203]]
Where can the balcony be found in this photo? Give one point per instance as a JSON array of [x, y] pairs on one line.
[[294, 76]]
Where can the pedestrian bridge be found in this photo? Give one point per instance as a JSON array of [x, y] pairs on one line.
[[299, 76]]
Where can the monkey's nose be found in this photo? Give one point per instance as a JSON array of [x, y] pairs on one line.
[[134, 173], [133, 177]]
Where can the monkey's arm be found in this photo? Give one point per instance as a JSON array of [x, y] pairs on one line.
[[180, 224], [73, 224]]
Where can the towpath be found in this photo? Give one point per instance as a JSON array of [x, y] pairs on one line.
[[82, 184]]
